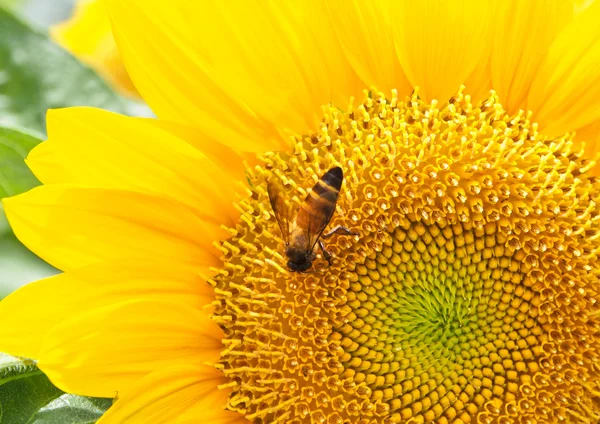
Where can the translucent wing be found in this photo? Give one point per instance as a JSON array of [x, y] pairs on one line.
[[318, 207], [284, 211]]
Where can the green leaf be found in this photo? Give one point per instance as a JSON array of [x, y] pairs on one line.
[[28, 397], [23, 391], [37, 75], [19, 266], [72, 409], [4, 227], [15, 176]]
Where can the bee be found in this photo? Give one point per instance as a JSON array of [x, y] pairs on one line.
[[302, 228]]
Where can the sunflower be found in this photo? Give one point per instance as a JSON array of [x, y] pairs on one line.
[[470, 293]]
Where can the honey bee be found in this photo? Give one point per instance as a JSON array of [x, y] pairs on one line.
[[302, 228]]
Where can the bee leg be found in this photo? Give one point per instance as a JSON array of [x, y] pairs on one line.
[[326, 254], [341, 230]]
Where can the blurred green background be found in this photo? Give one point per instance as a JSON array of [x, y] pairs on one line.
[[37, 75], [18, 266], [41, 13]]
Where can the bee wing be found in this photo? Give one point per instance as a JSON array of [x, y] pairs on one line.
[[283, 210], [318, 207]]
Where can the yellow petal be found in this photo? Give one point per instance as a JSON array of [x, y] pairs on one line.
[[88, 36], [524, 34], [243, 70], [479, 84], [102, 149], [166, 395], [83, 34], [581, 5], [28, 314], [44, 163], [70, 227], [208, 416], [590, 135], [207, 411], [102, 351], [565, 94], [439, 43], [364, 30], [232, 162]]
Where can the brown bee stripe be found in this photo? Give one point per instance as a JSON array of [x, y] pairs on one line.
[[322, 187], [315, 193], [333, 178], [328, 186]]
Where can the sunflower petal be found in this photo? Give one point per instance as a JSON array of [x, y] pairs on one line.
[[565, 94], [232, 162], [104, 350], [365, 33], [136, 154], [28, 314], [590, 135], [440, 43], [166, 395], [205, 411], [526, 31], [242, 71], [70, 227], [46, 166], [479, 84], [88, 36]]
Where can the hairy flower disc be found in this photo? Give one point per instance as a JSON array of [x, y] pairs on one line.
[[469, 295]]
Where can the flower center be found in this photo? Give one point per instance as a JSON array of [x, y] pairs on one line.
[[468, 296]]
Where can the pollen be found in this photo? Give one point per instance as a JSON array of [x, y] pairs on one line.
[[469, 295]]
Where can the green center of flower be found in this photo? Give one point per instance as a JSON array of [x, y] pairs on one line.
[[440, 322], [468, 296]]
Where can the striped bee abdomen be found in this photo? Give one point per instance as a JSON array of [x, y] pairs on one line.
[[319, 205]]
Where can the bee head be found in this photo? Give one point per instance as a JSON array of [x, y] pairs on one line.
[[299, 266], [299, 260]]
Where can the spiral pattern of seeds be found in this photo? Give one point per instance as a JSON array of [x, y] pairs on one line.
[[470, 295]]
